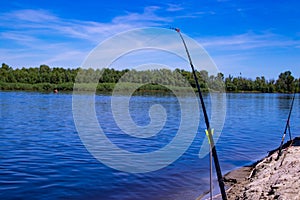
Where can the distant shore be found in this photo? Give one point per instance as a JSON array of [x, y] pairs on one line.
[[103, 87], [45, 78], [100, 87]]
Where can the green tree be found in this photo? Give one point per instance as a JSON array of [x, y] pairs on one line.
[[284, 82], [229, 85], [260, 84], [44, 74]]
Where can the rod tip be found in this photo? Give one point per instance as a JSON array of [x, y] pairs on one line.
[[176, 29]]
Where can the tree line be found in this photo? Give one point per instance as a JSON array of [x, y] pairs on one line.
[[44, 78]]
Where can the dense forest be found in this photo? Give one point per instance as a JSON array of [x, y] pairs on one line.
[[44, 78]]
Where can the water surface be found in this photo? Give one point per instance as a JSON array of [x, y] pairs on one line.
[[42, 156]]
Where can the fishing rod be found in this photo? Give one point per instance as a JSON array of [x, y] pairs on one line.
[[209, 130], [287, 127]]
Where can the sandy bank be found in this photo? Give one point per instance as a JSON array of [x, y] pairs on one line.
[[268, 178]]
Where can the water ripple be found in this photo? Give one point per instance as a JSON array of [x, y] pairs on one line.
[[42, 156]]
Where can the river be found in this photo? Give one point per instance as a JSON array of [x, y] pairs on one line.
[[43, 157]]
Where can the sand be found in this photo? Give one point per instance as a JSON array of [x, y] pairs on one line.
[[269, 178]]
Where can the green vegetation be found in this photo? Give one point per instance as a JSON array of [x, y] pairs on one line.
[[45, 78]]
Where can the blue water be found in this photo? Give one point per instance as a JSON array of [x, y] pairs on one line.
[[42, 156]]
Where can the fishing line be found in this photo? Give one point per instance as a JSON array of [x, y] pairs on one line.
[[287, 126]]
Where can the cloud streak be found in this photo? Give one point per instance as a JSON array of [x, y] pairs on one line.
[[35, 22], [252, 54], [37, 30], [174, 7], [249, 41]]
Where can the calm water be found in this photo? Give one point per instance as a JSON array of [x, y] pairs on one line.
[[42, 156]]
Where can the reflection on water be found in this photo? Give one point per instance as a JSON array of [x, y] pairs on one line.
[[284, 101], [42, 156]]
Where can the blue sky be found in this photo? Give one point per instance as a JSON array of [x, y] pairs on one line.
[[250, 37]]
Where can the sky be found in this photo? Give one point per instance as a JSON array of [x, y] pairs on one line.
[[251, 38]]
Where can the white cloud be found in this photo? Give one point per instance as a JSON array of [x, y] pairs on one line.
[[30, 15], [174, 7], [16, 36], [248, 41], [72, 57], [56, 39], [147, 18], [252, 54], [50, 25], [35, 22]]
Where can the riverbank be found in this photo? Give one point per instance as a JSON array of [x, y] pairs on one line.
[[101, 87], [105, 87], [269, 178]]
